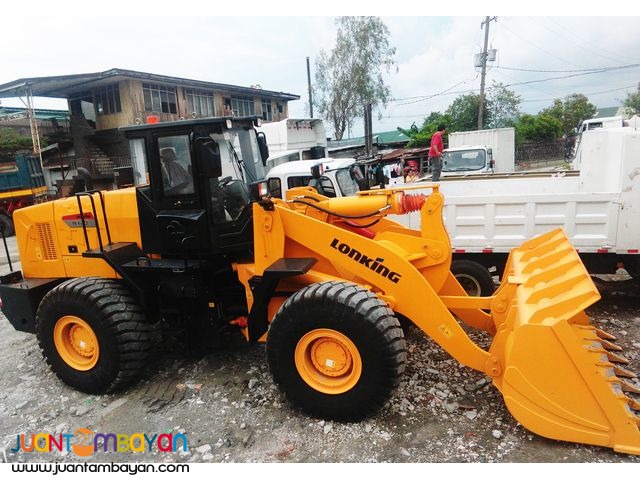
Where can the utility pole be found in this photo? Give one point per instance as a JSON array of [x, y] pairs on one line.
[[486, 22], [368, 130], [309, 86]]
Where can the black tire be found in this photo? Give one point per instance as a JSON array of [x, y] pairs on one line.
[[355, 313], [474, 278], [110, 310], [7, 224]]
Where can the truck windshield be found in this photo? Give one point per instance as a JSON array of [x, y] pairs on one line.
[[348, 186], [464, 160]]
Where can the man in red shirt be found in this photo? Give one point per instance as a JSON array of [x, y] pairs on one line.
[[435, 152]]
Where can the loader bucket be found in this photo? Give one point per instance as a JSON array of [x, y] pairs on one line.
[[560, 376]]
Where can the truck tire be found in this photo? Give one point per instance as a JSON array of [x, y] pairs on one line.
[[7, 224], [474, 278], [632, 266], [336, 350], [93, 334]]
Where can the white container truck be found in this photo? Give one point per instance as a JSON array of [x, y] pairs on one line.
[[501, 142], [597, 204], [294, 139]]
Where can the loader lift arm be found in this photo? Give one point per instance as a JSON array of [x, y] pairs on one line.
[[538, 308]]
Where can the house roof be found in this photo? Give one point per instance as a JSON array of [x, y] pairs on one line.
[[40, 113], [606, 112], [382, 138], [65, 86]]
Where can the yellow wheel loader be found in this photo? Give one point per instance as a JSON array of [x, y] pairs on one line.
[[200, 247]]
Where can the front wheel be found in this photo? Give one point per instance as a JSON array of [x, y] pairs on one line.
[[336, 350], [93, 334]]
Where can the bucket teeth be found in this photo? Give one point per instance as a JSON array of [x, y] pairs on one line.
[[629, 388], [616, 358], [604, 335], [623, 372], [610, 346]]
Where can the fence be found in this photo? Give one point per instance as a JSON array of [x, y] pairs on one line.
[[530, 155], [102, 165]]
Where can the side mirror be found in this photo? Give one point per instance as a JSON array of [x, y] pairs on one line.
[[208, 156], [315, 171], [264, 148]]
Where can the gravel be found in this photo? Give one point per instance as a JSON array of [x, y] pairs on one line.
[[228, 407]]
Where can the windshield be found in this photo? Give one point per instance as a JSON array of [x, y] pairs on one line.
[[348, 186], [464, 160], [240, 155]]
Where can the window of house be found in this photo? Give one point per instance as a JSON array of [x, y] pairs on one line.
[[159, 98], [107, 100], [200, 102], [280, 109], [242, 106], [267, 114]]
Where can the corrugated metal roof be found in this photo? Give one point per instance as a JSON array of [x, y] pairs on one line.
[[40, 113], [382, 138], [64, 86]]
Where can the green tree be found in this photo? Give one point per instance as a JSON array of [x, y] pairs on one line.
[[463, 112], [632, 102], [422, 137], [537, 128], [10, 139], [351, 75], [571, 111], [503, 104]]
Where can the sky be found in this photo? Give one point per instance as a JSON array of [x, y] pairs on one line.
[[434, 55]]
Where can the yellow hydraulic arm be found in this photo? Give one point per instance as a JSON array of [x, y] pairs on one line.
[[560, 376]]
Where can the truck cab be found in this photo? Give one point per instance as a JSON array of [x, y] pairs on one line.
[[467, 160], [336, 177]]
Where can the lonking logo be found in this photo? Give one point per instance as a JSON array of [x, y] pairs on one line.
[[375, 264]]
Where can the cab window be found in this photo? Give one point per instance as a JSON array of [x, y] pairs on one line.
[[176, 166]]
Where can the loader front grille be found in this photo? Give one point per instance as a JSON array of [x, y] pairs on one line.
[[47, 245]]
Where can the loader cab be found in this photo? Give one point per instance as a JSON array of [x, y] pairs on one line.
[[192, 181]]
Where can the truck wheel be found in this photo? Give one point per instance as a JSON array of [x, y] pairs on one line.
[[474, 278], [336, 350], [7, 224], [93, 334]]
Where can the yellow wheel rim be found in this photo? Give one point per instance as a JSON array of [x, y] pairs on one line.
[[76, 343], [328, 361]]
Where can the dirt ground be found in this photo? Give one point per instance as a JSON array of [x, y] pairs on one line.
[[229, 409]]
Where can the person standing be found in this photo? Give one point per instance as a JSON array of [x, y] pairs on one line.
[[436, 150]]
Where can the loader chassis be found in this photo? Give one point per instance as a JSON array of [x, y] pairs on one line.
[[322, 280]]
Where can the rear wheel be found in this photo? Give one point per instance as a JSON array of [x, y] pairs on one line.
[[7, 224], [336, 350], [93, 334], [473, 277]]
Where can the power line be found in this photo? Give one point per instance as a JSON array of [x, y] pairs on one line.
[[581, 70], [580, 44], [591, 94], [502, 23], [582, 40]]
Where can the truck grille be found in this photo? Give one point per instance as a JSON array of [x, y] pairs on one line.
[[45, 236]]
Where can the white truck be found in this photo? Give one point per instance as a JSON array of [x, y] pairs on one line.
[[335, 177], [467, 160], [597, 204], [499, 141], [294, 139]]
